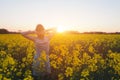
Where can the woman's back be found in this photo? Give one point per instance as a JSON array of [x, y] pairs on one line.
[[42, 45]]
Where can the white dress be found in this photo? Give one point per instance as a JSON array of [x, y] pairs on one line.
[[40, 46]]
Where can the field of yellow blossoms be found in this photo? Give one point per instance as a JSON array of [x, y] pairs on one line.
[[72, 57]]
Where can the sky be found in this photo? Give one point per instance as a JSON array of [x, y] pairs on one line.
[[78, 15]]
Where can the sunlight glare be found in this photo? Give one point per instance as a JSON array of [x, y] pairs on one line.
[[60, 29]]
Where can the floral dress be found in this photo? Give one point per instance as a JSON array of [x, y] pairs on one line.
[[41, 46]]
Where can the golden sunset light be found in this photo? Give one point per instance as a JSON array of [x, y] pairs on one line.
[[60, 29], [59, 39]]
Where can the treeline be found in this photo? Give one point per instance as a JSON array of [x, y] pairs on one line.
[[101, 32], [76, 32], [5, 31]]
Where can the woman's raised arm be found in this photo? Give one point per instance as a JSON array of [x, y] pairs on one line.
[[51, 32], [26, 35]]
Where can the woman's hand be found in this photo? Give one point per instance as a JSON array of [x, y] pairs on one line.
[[51, 30]]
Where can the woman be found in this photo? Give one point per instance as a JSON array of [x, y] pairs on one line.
[[41, 44]]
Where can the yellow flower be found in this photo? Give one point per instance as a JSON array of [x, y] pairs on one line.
[[19, 73], [68, 71], [53, 64], [28, 78], [85, 73], [0, 76], [23, 59], [60, 76], [6, 78], [22, 65]]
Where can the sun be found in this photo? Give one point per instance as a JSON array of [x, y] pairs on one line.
[[60, 29]]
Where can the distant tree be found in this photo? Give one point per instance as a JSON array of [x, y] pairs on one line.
[[95, 32], [117, 32], [4, 31]]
